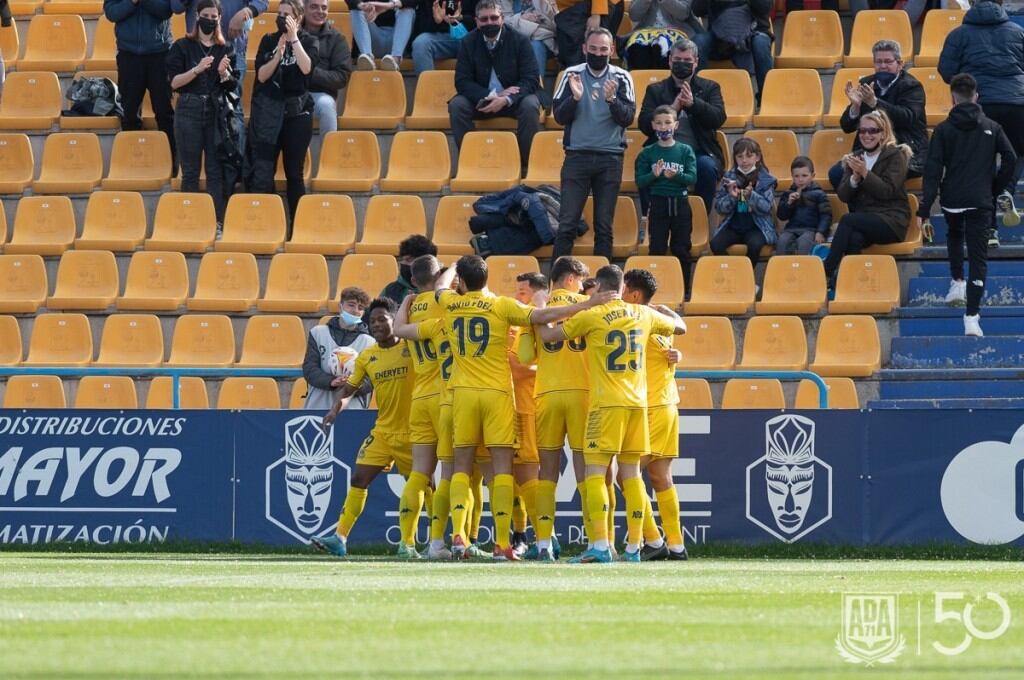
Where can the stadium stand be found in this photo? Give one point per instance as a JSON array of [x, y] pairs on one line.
[[297, 283], [374, 100], [791, 98], [419, 161], [10, 341], [102, 391], [707, 345], [847, 346], [72, 164], [17, 163], [34, 391], [842, 393], [753, 393], [226, 282], [253, 223], [774, 343], [812, 39], [202, 340], [369, 272], [273, 340], [694, 393], [737, 95], [722, 284], [430, 102], [937, 25], [131, 340], [192, 393], [248, 393], [867, 284], [183, 222], [86, 279], [54, 43], [23, 283], [156, 281], [451, 231], [43, 225], [139, 161], [60, 340], [669, 274], [389, 220], [870, 26], [793, 284], [103, 56], [488, 161], [349, 161], [503, 270], [324, 224]]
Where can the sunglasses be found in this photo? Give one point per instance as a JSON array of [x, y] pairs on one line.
[[870, 131]]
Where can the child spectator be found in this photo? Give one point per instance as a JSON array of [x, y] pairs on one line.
[[667, 168], [745, 203], [805, 209]]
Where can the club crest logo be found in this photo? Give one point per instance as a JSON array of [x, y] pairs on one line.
[[789, 489], [300, 484], [871, 629]]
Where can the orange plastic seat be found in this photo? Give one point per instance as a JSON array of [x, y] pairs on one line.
[[156, 281], [827, 147], [911, 242], [937, 99], [109, 122], [297, 282], [774, 343], [60, 340], [847, 346], [192, 393], [488, 161], [668, 272], [253, 223], [183, 222], [642, 79], [753, 393], [17, 164], [139, 161], [722, 284], [23, 283], [86, 279], [54, 43], [249, 393], [593, 262], [838, 101], [792, 98], [419, 161], [546, 158], [10, 45], [812, 39], [842, 393], [778, 149], [694, 393], [374, 100], [389, 220], [451, 225], [349, 161], [325, 224], [114, 220], [273, 340], [372, 273], [700, 234], [867, 284], [73, 7], [104, 47], [105, 391], [226, 282], [10, 341], [44, 225], [870, 26], [707, 345], [299, 391], [502, 271], [634, 145], [793, 284], [737, 95], [938, 23], [72, 164], [34, 391], [32, 101], [430, 102], [202, 340]]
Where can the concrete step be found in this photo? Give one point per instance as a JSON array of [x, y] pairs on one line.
[[1006, 234], [957, 352], [954, 326], [945, 403], [995, 268], [925, 291], [951, 389]]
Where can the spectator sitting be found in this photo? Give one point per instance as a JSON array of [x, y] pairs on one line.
[[535, 21], [805, 209], [331, 351], [872, 186], [913, 8], [741, 32], [382, 29], [900, 95], [701, 112], [440, 27], [657, 26], [745, 203], [495, 76], [331, 70], [408, 250]]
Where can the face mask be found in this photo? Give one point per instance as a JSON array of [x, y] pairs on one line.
[[597, 62], [884, 78], [247, 25], [282, 24], [490, 31], [682, 69], [405, 271], [207, 26], [349, 319], [749, 174], [664, 135]]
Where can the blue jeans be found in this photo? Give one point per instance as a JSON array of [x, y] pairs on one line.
[[378, 41], [325, 108], [758, 60], [540, 53], [429, 47]]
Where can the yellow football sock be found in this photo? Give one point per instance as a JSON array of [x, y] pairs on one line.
[[650, 526], [668, 507], [460, 500], [633, 490], [354, 504], [528, 492], [411, 505], [501, 508], [518, 512], [610, 490], [544, 525], [585, 509], [440, 509], [477, 485], [597, 507]]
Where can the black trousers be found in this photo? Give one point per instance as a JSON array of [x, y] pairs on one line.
[[584, 172], [293, 143], [194, 130], [462, 113], [855, 232], [727, 236], [670, 222], [973, 227], [137, 73]]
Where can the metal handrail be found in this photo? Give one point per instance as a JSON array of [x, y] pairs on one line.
[[781, 375]]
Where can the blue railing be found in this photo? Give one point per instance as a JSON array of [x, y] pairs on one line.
[[781, 375]]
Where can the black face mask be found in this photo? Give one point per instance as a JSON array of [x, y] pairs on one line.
[[207, 26], [597, 62], [405, 271], [490, 31], [682, 69], [282, 24]]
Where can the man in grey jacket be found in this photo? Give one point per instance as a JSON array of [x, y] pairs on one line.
[[332, 68]]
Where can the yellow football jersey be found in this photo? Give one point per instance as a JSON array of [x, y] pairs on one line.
[[433, 330], [562, 365], [390, 373], [616, 334], [661, 375], [524, 377], [477, 324], [424, 352]]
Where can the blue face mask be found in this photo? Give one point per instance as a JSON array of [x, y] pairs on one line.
[[247, 25], [349, 319], [664, 135], [884, 78]]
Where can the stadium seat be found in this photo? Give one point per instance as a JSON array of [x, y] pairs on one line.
[[325, 224], [430, 102], [737, 94], [249, 393], [273, 340], [342, 22], [253, 223], [192, 393], [867, 284], [634, 145], [792, 98], [847, 346], [86, 279], [451, 225], [44, 225], [10, 341], [104, 47], [10, 45], [827, 147], [593, 262], [156, 281], [93, 7], [700, 233], [202, 340], [753, 393], [23, 283], [668, 272], [707, 345], [722, 284], [139, 161], [937, 99], [774, 343], [109, 122], [25, 8], [546, 158], [488, 161], [778, 149], [226, 282], [812, 39], [17, 164], [838, 101], [842, 393], [72, 164], [642, 79], [299, 391], [419, 161], [369, 272], [349, 161], [374, 100], [32, 101], [910, 243], [389, 220], [503, 270], [793, 284], [105, 391], [114, 220], [694, 393], [183, 222], [870, 26], [60, 340], [296, 282], [725, 146], [280, 180], [937, 25], [263, 24], [34, 391], [54, 43]]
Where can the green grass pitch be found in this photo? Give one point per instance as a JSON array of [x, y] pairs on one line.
[[161, 616]]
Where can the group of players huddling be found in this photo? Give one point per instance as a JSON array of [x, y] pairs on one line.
[[491, 387]]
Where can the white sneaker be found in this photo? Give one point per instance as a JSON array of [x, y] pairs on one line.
[[442, 553], [972, 326], [957, 294], [389, 63], [365, 63]]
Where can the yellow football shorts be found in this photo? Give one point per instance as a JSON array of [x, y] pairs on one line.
[[385, 449], [561, 414], [424, 416], [616, 431], [527, 435], [483, 418], [444, 433], [663, 424]]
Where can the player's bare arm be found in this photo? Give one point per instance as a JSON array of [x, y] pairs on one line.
[[553, 314], [347, 392], [404, 329]]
